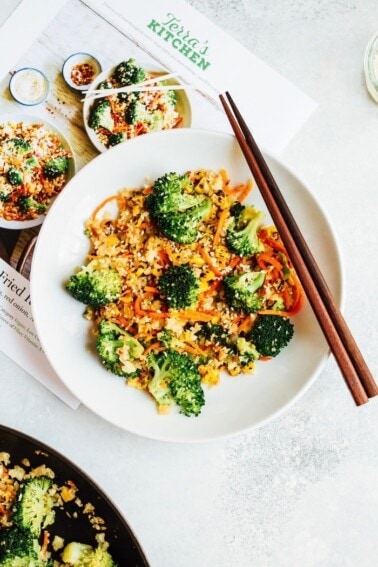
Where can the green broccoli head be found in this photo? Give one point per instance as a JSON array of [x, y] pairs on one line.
[[95, 284], [5, 196], [247, 351], [241, 234], [169, 195], [55, 167], [30, 205], [270, 334], [179, 286], [119, 351], [175, 211], [101, 116], [117, 138], [129, 73], [183, 227], [16, 543], [241, 291], [211, 333], [175, 379], [35, 505], [78, 554], [15, 176], [18, 146]]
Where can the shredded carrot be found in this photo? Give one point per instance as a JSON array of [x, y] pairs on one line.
[[137, 307], [235, 260], [245, 325], [45, 542], [208, 260], [199, 316], [153, 346], [150, 289], [212, 288], [245, 192], [268, 259], [105, 202], [221, 221]]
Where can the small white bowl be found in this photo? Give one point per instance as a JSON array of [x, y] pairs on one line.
[[29, 86], [76, 76]]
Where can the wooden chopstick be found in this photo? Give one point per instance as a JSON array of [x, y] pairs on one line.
[[340, 340]]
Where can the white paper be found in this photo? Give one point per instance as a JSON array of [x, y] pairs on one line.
[[22, 26], [183, 39], [18, 334]]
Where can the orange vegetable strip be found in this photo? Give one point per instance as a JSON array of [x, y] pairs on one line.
[[45, 542], [235, 260], [198, 315], [151, 289], [267, 258], [208, 260], [213, 287], [137, 307], [105, 202], [246, 324], [221, 221], [153, 346], [245, 192]]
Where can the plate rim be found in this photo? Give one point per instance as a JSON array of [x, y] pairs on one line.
[[339, 270]]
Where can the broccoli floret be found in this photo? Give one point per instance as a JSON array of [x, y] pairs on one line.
[[101, 116], [35, 505], [105, 84], [241, 234], [271, 333], [176, 377], [95, 284], [176, 212], [18, 146], [136, 112], [31, 163], [4, 197], [119, 351], [179, 286], [168, 195], [241, 291], [247, 351], [55, 167], [129, 73], [214, 334], [15, 176], [182, 227], [17, 543], [117, 138], [83, 555], [29, 204]]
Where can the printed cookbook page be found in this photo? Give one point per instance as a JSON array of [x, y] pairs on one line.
[[168, 34]]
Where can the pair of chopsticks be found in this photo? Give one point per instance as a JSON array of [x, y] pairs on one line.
[[143, 86], [337, 333]]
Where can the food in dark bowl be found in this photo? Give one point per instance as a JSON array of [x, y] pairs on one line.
[[52, 514]]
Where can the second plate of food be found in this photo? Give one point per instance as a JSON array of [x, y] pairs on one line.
[[69, 333], [37, 161], [112, 119]]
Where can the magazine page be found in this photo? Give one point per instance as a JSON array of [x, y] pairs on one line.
[[191, 49]]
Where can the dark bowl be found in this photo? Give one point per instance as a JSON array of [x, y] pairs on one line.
[[123, 545]]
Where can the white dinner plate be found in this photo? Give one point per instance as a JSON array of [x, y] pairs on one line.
[[35, 119], [238, 403]]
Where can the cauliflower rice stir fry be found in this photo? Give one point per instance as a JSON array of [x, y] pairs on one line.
[[184, 282], [33, 169], [119, 117], [32, 503]]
